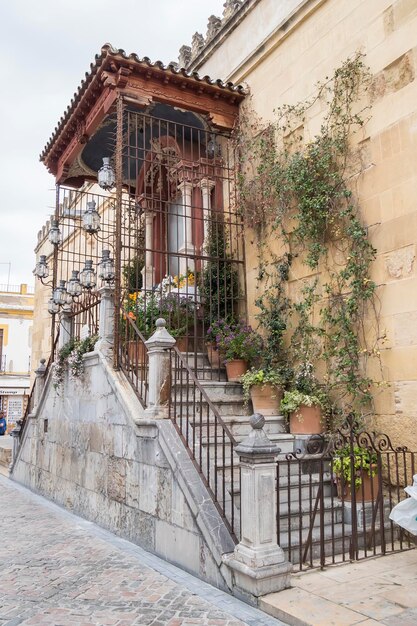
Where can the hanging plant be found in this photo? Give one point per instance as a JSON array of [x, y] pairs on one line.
[[70, 358]]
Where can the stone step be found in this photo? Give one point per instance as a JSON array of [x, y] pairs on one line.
[[213, 388], [5, 456], [227, 405], [239, 427]]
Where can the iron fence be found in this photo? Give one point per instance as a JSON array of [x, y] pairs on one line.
[[335, 496], [134, 360], [206, 437]]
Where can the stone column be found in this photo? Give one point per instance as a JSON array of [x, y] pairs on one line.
[[148, 272], [39, 384], [16, 441], [186, 189], [106, 322], [206, 186], [159, 389], [65, 326], [258, 563]]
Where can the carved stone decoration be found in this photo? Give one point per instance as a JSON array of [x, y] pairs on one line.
[[184, 57], [230, 7], [213, 26], [197, 44]]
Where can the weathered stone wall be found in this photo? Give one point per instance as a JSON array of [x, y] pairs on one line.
[[91, 450], [283, 68]]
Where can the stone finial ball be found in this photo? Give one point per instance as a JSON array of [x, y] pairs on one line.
[[257, 421], [160, 323]]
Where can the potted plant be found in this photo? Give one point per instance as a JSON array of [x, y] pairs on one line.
[[142, 308], [305, 404], [213, 338], [355, 468], [178, 310], [265, 388], [241, 345]]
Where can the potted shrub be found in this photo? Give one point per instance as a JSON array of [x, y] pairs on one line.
[[265, 388], [305, 412], [241, 345], [356, 468], [306, 403]]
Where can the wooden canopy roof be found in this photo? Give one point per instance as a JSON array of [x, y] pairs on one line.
[[141, 82]]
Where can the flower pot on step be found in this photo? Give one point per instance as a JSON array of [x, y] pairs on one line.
[[266, 398], [367, 491], [235, 368], [136, 353], [306, 420], [214, 356]]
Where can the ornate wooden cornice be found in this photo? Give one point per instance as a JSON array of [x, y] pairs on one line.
[[114, 72]]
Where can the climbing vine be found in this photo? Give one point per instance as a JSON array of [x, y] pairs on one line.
[[297, 197]]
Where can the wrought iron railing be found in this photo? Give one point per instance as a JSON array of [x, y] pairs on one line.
[[206, 437], [85, 316], [133, 356], [334, 498]]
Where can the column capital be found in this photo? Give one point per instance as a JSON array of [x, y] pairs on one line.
[[106, 291], [207, 184]]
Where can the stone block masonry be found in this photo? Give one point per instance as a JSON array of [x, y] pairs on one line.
[[103, 458]]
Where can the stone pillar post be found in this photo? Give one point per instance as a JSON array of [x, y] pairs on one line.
[[148, 272], [39, 384], [186, 189], [65, 326], [159, 371], [258, 563], [16, 441], [106, 324], [206, 186]]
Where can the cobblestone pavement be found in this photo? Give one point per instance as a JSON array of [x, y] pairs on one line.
[[60, 570]]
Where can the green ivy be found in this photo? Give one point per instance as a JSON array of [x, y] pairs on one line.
[[302, 194]]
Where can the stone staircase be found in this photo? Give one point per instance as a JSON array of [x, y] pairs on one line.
[[297, 490]]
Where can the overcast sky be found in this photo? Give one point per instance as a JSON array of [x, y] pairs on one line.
[[46, 46]]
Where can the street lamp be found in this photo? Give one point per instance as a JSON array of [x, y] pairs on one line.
[[59, 295], [74, 288], [55, 236], [88, 275], [106, 265], [41, 270], [91, 219], [105, 176], [53, 308]]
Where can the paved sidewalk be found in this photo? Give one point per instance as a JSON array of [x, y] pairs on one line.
[[366, 593], [57, 569]]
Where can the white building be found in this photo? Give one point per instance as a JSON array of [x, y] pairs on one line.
[[16, 319]]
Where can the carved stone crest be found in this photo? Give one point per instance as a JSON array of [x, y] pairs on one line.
[[184, 57], [213, 26], [230, 7], [197, 44]]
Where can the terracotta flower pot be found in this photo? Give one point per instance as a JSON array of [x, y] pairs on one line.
[[366, 492], [266, 399], [307, 420], [213, 355], [136, 353], [235, 369]]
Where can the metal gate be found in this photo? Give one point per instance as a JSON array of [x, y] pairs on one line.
[[335, 496]]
